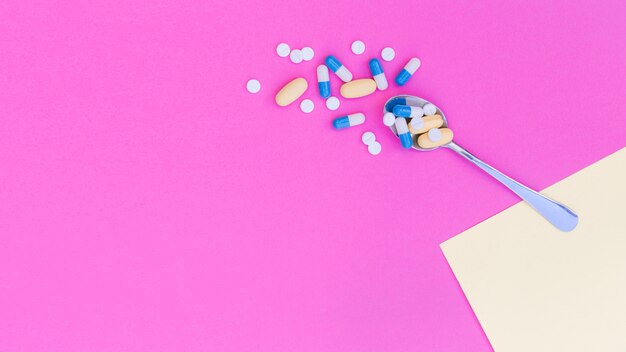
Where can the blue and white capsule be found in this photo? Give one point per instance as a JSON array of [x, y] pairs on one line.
[[408, 71], [338, 68], [378, 74], [402, 129], [400, 101], [408, 111], [348, 121], [323, 81]]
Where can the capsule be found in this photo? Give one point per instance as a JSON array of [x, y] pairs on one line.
[[435, 139], [323, 81], [378, 74], [338, 68], [408, 111], [401, 101], [348, 121], [403, 132], [408, 71]]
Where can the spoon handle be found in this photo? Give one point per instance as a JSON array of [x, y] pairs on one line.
[[556, 213]]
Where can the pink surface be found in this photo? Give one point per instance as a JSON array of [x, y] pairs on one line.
[[149, 203]]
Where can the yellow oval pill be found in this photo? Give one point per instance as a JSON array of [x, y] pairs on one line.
[[446, 137], [358, 88], [430, 122], [291, 91]]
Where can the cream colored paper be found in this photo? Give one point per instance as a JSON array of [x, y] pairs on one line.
[[534, 288]]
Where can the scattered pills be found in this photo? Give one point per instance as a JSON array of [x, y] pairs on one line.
[[307, 53], [291, 91], [348, 121], [283, 49], [296, 56], [388, 119], [338, 68], [253, 86], [403, 132], [323, 81], [434, 135], [307, 106], [378, 74], [429, 109], [368, 138], [408, 71], [445, 136], [332, 103], [358, 47], [374, 148], [358, 88], [416, 124], [430, 122], [388, 54], [408, 111]]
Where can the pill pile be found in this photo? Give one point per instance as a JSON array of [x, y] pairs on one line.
[[407, 118]]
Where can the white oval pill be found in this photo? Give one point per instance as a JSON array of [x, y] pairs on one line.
[[307, 53], [434, 135], [296, 56], [332, 103], [358, 47], [374, 148], [388, 119], [283, 50], [388, 54], [368, 138], [429, 109], [253, 86], [307, 106]]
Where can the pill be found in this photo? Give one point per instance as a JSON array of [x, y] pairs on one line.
[[429, 109], [408, 111], [368, 138], [348, 121], [332, 103], [416, 124], [291, 91], [388, 54], [323, 81], [401, 101], [378, 74], [434, 135], [389, 118], [283, 49], [307, 106], [296, 56], [307, 53], [338, 68], [358, 47], [408, 71], [374, 148], [358, 88], [445, 137], [403, 132], [253, 86], [430, 122]]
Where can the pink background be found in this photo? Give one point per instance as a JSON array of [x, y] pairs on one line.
[[149, 203]]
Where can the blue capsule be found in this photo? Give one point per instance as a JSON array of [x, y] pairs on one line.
[[338, 68], [323, 81], [408, 111], [403, 133], [378, 74], [348, 121], [408, 71]]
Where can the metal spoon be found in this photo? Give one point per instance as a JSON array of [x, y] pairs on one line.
[[556, 213]]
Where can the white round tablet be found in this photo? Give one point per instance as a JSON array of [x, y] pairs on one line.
[[253, 86], [388, 54], [374, 148], [429, 109], [307, 53], [434, 135], [332, 103], [283, 50], [368, 138], [389, 119], [417, 123], [358, 47], [307, 106], [296, 56]]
